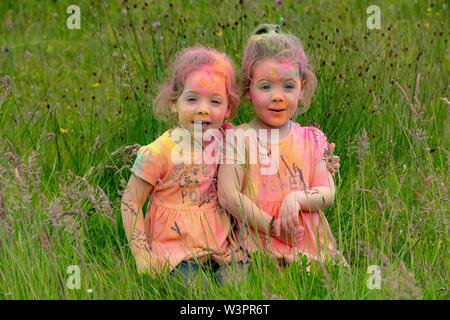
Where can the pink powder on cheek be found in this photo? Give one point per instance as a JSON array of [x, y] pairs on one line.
[[255, 97]]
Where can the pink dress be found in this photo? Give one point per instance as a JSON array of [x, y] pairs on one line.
[[299, 152], [184, 220]]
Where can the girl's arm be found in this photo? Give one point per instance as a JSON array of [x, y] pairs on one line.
[[230, 179], [134, 197], [319, 196], [321, 193]]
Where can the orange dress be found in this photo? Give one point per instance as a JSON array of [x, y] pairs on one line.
[[299, 152], [185, 220]]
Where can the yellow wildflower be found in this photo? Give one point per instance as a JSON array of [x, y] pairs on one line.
[[63, 131], [96, 85]]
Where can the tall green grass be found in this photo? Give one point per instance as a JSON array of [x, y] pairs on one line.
[[77, 98]]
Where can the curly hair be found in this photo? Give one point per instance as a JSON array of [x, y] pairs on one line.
[[193, 59]]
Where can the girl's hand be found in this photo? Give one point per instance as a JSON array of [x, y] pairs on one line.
[[288, 237], [332, 160], [141, 252], [143, 261], [288, 218]]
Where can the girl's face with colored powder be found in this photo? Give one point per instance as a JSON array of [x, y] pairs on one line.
[[204, 100], [275, 91]]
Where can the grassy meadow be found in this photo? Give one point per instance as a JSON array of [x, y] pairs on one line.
[[76, 104]]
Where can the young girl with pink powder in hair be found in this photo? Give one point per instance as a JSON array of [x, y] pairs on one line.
[[185, 226], [282, 211]]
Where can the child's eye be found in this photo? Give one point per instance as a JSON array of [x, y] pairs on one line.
[[216, 102], [191, 99], [289, 86], [264, 86]]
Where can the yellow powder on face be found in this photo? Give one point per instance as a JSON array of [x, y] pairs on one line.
[[273, 73]]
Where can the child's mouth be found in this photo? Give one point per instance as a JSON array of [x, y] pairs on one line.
[[277, 110], [204, 124]]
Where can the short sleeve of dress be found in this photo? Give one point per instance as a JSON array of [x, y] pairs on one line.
[[151, 162], [319, 143]]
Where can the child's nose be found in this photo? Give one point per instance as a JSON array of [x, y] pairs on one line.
[[277, 97], [203, 109], [203, 112]]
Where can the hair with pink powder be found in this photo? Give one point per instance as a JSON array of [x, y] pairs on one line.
[[269, 42], [194, 59]]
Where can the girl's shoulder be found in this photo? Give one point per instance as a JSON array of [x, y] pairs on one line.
[[243, 126], [229, 130], [160, 146], [224, 127], [309, 132], [153, 160], [313, 136], [227, 125]]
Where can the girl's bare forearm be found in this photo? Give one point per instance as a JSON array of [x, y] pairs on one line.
[[230, 180], [134, 225], [315, 198], [243, 208], [133, 199]]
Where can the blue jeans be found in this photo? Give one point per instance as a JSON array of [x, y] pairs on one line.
[[190, 270]]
